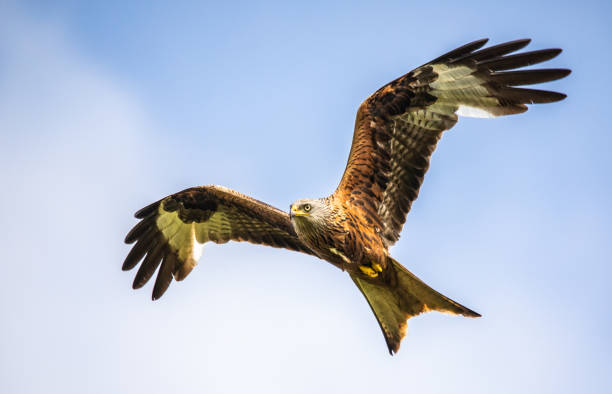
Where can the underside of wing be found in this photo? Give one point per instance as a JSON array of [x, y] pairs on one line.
[[172, 231], [398, 127]]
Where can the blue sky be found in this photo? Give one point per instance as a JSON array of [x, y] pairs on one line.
[[107, 107]]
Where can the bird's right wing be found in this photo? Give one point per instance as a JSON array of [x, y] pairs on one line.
[[397, 128], [172, 231]]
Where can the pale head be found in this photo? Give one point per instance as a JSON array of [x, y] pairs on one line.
[[312, 210]]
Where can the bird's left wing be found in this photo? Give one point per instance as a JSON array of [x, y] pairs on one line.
[[397, 128], [172, 231]]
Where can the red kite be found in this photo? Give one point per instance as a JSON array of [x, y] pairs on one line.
[[396, 131]]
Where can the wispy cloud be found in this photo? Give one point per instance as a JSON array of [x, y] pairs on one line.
[[71, 142]]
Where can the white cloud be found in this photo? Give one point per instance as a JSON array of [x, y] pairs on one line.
[[73, 147]]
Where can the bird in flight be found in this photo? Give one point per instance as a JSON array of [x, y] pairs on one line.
[[396, 131]]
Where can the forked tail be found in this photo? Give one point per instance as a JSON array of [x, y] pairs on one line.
[[400, 297]]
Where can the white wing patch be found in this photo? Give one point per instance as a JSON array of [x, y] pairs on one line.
[[188, 239], [473, 112], [197, 247], [458, 88]]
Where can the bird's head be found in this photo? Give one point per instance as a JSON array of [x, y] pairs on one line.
[[308, 209]]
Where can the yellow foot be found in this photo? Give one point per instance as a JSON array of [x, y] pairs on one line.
[[368, 271], [377, 267]]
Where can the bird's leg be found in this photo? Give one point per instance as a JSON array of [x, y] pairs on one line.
[[368, 271], [372, 270]]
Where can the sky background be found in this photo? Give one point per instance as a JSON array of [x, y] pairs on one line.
[[108, 106]]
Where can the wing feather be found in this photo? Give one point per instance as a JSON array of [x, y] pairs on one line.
[[143, 244], [172, 231], [520, 60], [398, 127], [493, 51], [164, 277], [139, 230], [149, 264]]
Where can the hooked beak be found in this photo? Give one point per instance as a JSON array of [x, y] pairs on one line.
[[295, 211]]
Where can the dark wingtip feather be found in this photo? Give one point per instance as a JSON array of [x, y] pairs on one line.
[[149, 265], [496, 51], [462, 50], [138, 230], [531, 96], [517, 44], [560, 96], [520, 60], [138, 251], [529, 77], [164, 276], [146, 211]]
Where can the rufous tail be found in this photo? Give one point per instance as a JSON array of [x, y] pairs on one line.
[[398, 296]]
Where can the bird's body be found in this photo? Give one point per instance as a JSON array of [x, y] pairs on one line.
[[396, 131], [334, 234]]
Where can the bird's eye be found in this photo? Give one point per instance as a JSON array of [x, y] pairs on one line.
[[307, 207]]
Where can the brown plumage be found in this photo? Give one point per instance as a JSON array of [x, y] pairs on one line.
[[172, 228], [396, 131]]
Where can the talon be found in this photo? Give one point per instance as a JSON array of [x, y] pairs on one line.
[[377, 267], [368, 271]]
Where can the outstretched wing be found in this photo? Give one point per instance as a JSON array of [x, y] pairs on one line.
[[173, 230], [397, 128]]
